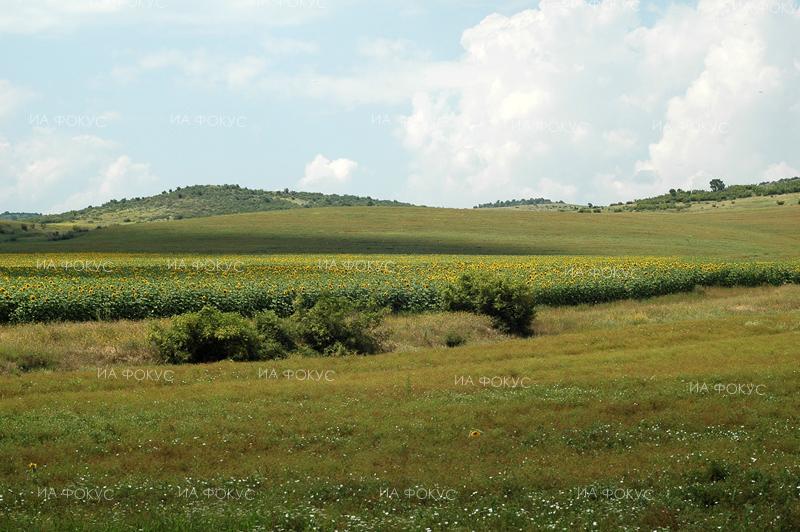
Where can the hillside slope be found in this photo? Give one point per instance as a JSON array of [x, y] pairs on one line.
[[204, 200], [767, 233]]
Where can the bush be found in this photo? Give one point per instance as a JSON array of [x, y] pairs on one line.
[[780, 202], [333, 327], [277, 334], [509, 302], [207, 336], [453, 339]]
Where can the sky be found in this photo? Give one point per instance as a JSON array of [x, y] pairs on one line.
[[437, 102]]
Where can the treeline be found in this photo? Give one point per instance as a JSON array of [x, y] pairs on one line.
[[18, 215], [517, 202], [677, 197]]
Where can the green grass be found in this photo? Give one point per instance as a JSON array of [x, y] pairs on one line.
[[609, 404], [769, 232]]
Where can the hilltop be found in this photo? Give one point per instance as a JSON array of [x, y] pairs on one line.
[[201, 201], [686, 199]]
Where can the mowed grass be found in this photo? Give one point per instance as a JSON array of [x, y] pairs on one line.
[[769, 232], [613, 398]]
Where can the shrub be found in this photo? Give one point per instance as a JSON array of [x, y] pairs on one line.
[[454, 339], [333, 327], [780, 202], [508, 302], [276, 333], [207, 336]]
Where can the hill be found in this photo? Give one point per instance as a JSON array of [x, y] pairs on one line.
[[517, 203], [18, 215], [768, 233], [200, 201], [684, 199]]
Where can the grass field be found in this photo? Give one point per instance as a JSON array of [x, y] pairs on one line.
[[616, 420], [654, 413], [768, 233]]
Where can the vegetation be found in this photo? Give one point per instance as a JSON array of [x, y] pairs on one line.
[[207, 336], [18, 215], [719, 192], [613, 401], [330, 327], [203, 200], [517, 202], [769, 233], [92, 287], [509, 302]]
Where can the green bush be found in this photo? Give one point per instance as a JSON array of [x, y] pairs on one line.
[[508, 302], [332, 327], [277, 334], [207, 336], [454, 339]]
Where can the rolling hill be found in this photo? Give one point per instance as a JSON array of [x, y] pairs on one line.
[[685, 199], [199, 201], [769, 232]]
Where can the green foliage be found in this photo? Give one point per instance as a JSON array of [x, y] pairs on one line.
[[507, 300], [334, 327], [716, 185], [454, 339], [207, 336], [719, 192], [517, 202], [205, 200], [277, 334]]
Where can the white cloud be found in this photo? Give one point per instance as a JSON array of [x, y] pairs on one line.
[[779, 170], [198, 67], [11, 97], [288, 46], [207, 16], [49, 166], [383, 49], [324, 174], [625, 110]]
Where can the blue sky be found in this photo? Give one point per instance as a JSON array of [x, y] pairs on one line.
[[438, 102]]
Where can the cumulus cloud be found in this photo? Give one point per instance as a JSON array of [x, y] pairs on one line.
[[779, 171], [584, 101], [325, 174], [62, 172]]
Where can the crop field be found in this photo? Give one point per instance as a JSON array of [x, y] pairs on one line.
[[111, 286]]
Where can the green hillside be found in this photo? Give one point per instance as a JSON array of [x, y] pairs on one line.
[[769, 232], [203, 200], [684, 199]]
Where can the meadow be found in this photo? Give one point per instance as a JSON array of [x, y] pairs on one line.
[[676, 412], [659, 391], [769, 233]]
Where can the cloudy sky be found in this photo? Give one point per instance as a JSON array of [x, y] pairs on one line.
[[440, 102]]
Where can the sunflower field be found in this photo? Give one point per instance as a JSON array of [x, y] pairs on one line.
[[84, 287]]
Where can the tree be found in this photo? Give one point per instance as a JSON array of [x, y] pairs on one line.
[[673, 192], [717, 185]]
